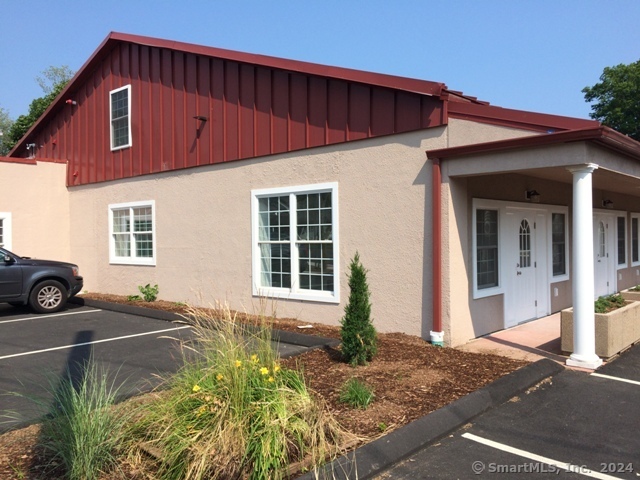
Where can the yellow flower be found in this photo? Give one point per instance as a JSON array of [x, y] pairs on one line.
[[196, 388], [219, 377], [254, 358], [276, 368], [264, 370], [271, 379], [238, 363]]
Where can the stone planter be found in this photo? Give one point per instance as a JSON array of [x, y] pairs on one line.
[[615, 331], [630, 296]]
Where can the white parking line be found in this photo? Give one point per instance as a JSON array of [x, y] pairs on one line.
[[634, 382], [38, 317], [33, 352], [568, 467]]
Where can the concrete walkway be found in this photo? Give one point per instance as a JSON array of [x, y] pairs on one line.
[[529, 341]]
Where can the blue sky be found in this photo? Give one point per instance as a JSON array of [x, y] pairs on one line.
[[523, 54]]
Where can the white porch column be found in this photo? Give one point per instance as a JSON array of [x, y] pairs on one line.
[[584, 335]]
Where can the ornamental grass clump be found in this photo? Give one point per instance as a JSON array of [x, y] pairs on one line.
[[83, 430], [233, 411], [359, 337]]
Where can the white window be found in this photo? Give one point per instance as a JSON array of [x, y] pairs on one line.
[[635, 239], [295, 242], [132, 233], [486, 239], [5, 230], [487, 247], [621, 230], [559, 243], [120, 116]]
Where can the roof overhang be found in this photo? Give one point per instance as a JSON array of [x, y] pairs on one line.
[[604, 136], [520, 119]]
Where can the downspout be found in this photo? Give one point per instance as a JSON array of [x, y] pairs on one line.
[[437, 335]]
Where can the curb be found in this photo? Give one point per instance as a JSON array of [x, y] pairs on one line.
[[381, 454], [282, 336]]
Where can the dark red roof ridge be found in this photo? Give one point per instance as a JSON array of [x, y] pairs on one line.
[[380, 79], [541, 122]]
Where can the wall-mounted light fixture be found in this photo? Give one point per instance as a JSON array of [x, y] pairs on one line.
[[607, 204], [200, 121], [532, 196], [71, 102]]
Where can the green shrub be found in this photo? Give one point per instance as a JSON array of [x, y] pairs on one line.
[[149, 293], [356, 394], [609, 303], [358, 335]]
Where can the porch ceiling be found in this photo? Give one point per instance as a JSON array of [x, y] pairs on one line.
[[602, 179], [549, 156]]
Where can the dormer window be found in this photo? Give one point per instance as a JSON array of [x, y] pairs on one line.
[[120, 111]]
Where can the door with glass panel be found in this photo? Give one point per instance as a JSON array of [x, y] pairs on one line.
[[526, 295]]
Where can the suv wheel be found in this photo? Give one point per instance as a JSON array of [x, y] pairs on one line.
[[48, 296]]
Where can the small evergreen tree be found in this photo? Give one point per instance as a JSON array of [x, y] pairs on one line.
[[359, 337]]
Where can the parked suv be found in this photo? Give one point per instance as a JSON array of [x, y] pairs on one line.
[[44, 285]]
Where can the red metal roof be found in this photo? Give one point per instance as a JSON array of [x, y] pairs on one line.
[[17, 160], [541, 122]]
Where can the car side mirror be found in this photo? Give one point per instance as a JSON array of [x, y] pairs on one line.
[[8, 259]]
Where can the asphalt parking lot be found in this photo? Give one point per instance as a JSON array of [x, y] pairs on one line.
[[137, 349], [36, 350], [574, 425]]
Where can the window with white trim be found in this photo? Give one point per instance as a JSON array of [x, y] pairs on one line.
[[120, 117], [635, 239], [295, 242], [558, 244], [5, 230], [487, 248], [622, 241], [132, 233]]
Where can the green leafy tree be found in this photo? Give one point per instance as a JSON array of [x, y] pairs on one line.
[[52, 82], [5, 126], [53, 77], [359, 337], [617, 98]]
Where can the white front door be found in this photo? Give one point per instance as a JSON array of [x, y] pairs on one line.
[[526, 295], [604, 254]]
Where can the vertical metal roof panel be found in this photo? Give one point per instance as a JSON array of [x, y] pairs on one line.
[[250, 109]]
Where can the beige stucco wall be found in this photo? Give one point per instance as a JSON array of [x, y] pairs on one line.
[[203, 228], [38, 201], [466, 132]]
